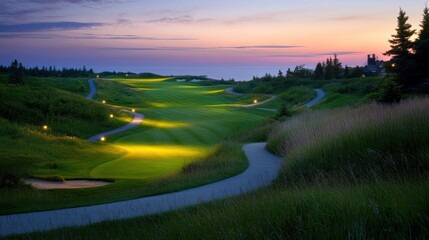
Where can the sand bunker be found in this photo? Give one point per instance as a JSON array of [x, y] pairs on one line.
[[71, 184]]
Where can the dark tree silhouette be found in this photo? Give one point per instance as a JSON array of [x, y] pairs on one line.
[[390, 92], [16, 73], [346, 72], [422, 48], [318, 71], [289, 73], [400, 49], [283, 111], [337, 66], [356, 72], [329, 69]]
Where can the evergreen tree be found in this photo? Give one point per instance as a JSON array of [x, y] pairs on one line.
[[346, 72], [329, 69], [283, 111], [356, 72], [17, 73], [289, 73], [422, 48], [400, 49], [318, 71], [390, 92], [337, 66], [280, 74]]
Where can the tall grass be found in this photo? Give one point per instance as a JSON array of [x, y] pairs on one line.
[[354, 144]]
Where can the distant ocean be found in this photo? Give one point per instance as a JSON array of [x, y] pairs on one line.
[[238, 73]]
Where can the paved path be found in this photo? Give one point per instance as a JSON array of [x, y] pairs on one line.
[[230, 90], [263, 169], [92, 89], [320, 94], [138, 117], [272, 97]]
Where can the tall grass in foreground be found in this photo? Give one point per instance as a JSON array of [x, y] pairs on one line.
[[351, 145]]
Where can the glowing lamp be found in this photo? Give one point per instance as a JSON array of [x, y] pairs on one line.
[[102, 139], [98, 76], [45, 127], [393, 65], [255, 101], [111, 115], [126, 75], [133, 110], [104, 101]]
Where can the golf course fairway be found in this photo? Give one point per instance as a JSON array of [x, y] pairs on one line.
[[182, 123]]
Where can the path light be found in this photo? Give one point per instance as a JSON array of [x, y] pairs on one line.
[[98, 76], [255, 101], [133, 110], [393, 65], [126, 75], [111, 115], [45, 127], [102, 139], [104, 101]]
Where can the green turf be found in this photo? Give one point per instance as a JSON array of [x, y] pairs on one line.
[[184, 123]]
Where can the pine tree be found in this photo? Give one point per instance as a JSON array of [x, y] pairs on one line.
[[17, 72], [346, 72], [329, 69], [400, 49], [289, 73], [280, 74], [422, 48], [318, 71], [337, 66]]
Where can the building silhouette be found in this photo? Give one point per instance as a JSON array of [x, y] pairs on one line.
[[374, 67]]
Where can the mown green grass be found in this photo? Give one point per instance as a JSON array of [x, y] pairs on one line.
[[183, 121], [366, 180], [176, 147]]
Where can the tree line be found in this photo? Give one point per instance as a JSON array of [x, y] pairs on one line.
[[410, 59], [17, 72]]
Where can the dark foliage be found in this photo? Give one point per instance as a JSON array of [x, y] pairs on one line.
[[421, 48], [390, 92], [400, 50], [17, 72]]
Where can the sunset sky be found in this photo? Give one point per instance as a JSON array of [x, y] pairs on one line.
[[152, 35]]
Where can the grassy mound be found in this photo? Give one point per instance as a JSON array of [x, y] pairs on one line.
[[64, 113], [352, 145]]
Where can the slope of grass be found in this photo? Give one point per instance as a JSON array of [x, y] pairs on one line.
[[176, 147], [356, 144], [353, 173], [74, 85], [64, 113]]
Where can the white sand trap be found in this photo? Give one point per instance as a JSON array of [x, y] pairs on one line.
[[71, 184]]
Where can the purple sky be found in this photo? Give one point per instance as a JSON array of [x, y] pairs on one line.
[[170, 36]]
